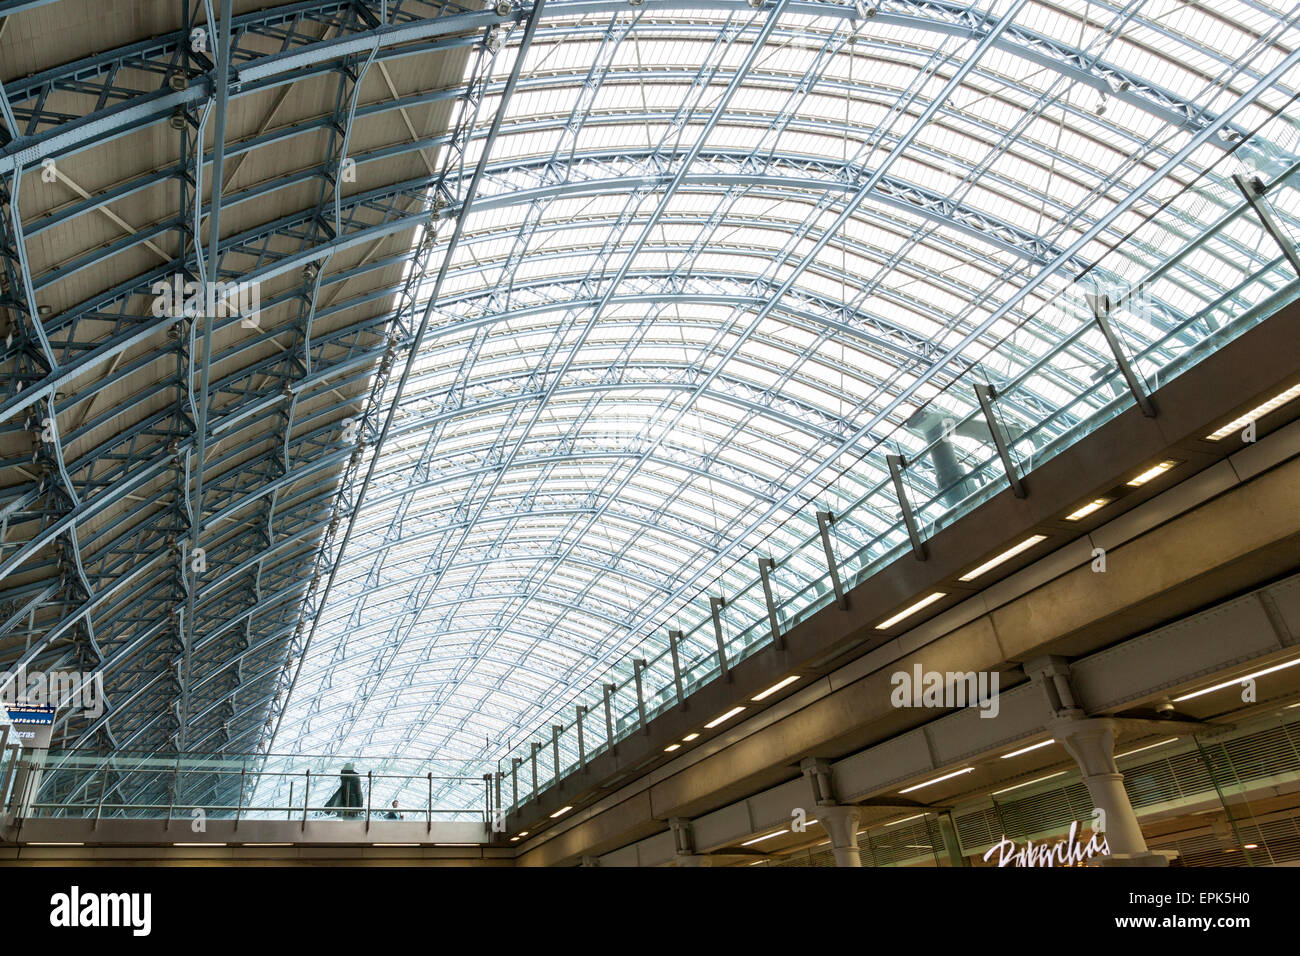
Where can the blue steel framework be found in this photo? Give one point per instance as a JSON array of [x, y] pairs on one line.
[[706, 256]]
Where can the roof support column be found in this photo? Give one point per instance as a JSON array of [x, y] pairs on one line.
[[840, 822], [1091, 742]]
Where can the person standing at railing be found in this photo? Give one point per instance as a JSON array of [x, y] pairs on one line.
[[392, 813], [346, 801]]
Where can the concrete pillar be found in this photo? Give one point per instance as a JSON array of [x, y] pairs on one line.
[[1091, 742], [840, 822], [842, 825]]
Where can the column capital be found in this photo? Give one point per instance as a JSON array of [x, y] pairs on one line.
[[841, 824]]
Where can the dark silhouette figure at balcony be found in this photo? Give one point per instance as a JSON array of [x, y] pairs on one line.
[[346, 801]]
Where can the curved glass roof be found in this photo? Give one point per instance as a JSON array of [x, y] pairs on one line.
[[723, 259]]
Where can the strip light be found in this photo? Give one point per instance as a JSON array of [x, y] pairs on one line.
[[946, 776], [1158, 743], [1236, 681], [1025, 750], [777, 686], [1276, 402], [560, 812], [1027, 783], [1006, 555], [909, 611], [723, 718], [1155, 471], [688, 738], [671, 747], [1094, 505], [762, 838]]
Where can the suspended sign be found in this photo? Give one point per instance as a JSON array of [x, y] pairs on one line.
[[1067, 852], [32, 723]]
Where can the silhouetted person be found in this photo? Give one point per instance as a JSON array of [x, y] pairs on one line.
[[347, 798], [392, 814]]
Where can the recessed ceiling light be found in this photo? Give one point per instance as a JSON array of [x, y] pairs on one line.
[[909, 611], [1155, 471], [523, 833], [723, 717], [1006, 555], [671, 747], [1256, 413], [946, 776], [1094, 505], [688, 738], [1025, 750], [775, 687], [765, 837], [1238, 681], [560, 812]]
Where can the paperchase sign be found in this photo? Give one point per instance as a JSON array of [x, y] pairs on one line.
[[1067, 852]]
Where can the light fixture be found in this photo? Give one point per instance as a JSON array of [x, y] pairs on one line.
[[909, 611], [1138, 750], [1006, 555], [688, 738], [400, 844], [1237, 681], [1154, 471], [198, 844], [1256, 413], [946, 776], [1089, 508], [1025, 750], [1250, 846], [723, 718], [671, 747], [915, 816], [1059, 773], [560, 812], [775, 687], [56, 844], [765, 837], [273, 844], [523, 833], [514, 839]]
